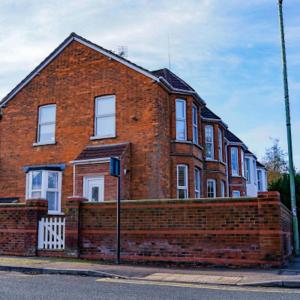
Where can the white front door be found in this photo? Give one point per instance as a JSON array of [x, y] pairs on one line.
[[93, 188]]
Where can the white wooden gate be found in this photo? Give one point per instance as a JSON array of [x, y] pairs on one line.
[[52, 233]]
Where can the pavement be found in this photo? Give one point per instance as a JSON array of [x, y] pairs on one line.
[[286, 277]]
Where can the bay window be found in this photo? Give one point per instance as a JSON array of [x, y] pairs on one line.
[[234, 161], [46, 185], [181, 134], [248, 169], [211, 188], [209, 142], [220, 144], [182, 181], [195, 125], [197, 183]]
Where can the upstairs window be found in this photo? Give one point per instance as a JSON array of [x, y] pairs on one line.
[[181, 120], [234, 161], [254, 172], [182, 181], [211, 188], [220, 144], [248, 170], [197, 183], [46, 126], [46, 185], [243, 163], [259, 181], [209, 142], [195, 125], [105, 117]]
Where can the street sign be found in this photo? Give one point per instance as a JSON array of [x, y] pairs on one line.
[[114, 167]]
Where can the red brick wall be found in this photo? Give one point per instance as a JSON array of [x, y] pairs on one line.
[[237, 232], [19, 227], [72, 81]]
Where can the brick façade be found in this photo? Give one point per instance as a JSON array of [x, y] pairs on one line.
[[145, 118]]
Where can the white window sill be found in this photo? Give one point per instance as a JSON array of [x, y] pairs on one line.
[[211, 159], [92, 138], [43, 144], [55, 213], [183, 141]]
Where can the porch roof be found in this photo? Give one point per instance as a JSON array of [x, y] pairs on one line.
[[102, 151]]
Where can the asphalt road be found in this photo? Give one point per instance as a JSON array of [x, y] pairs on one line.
[[21, 286]]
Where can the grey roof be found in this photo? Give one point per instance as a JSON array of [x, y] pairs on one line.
[[175, 81], [208, 114], [232, 137], [165, 77], [260, 165]]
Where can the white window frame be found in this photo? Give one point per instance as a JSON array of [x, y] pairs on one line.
[[248, 169], [243, 162], [220, 144], [236, 194], [98, 115], [197, 178], [195, 124], [260, 180], [209, 129], [254, 172], [181, 119], [40, 124], [233, 171], [185, 187], [214, 185], [44, 187], [222, 188]]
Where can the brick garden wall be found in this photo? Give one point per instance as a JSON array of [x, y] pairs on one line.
[[19, 227], [237, 232]]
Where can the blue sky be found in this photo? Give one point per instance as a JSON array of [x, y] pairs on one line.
[[228, 51]]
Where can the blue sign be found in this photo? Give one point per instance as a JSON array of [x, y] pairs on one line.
[[114, 167]]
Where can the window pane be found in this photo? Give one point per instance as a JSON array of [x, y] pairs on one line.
[[180, 109], [95, 194], [52, 198], [52, 180], [209, 151], [47, 114], [180, 130], [36, 180], [234, 161], [106, 126], [105, 105], [36, 195], [47, 133], [209, 134], [181, 176], [182, 194]]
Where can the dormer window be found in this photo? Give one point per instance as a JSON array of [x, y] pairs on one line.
[[46, 125]]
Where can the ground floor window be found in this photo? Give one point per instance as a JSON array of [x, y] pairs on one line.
[[236, 194], [197, 183], [46, 185], [93, 188], [211, 188], [182, 181], [222, 188]]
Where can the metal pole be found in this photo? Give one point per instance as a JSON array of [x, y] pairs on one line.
[[289, 134], [118, 261]]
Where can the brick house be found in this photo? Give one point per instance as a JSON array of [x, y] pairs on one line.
[[84, 104]]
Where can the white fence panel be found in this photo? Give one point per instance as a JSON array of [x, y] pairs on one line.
[[51, 233]]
